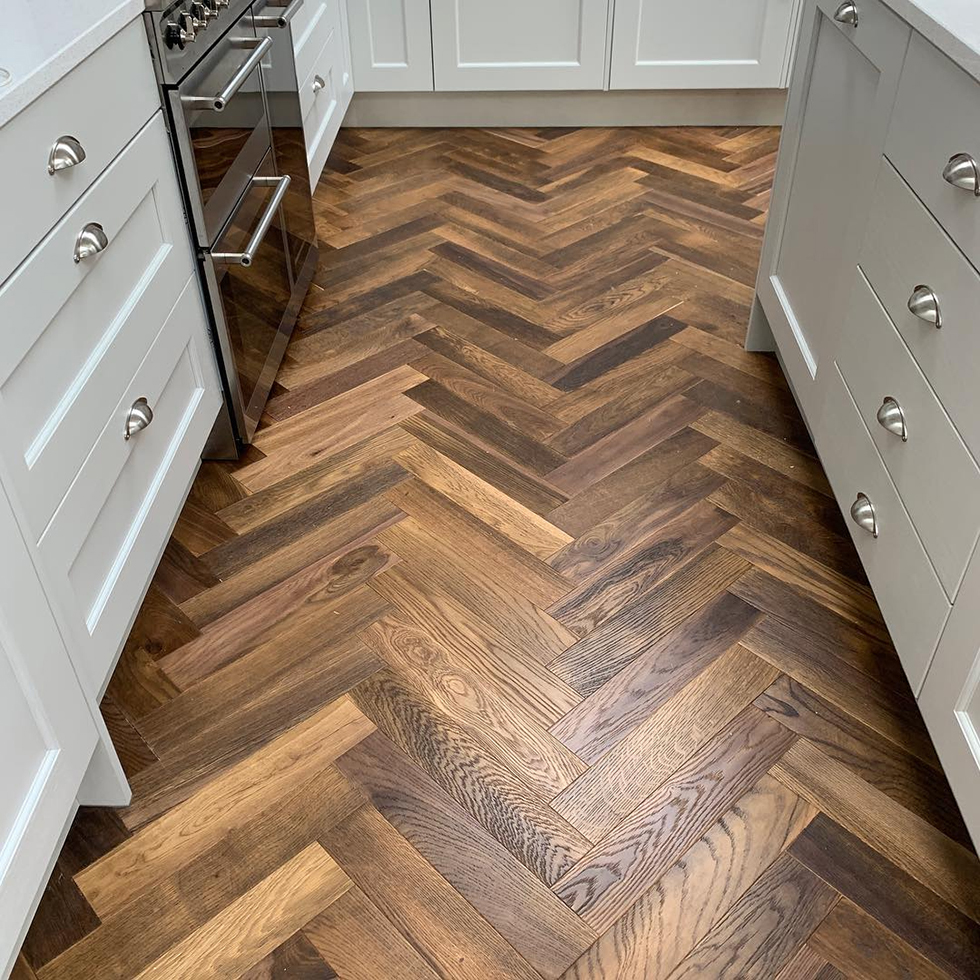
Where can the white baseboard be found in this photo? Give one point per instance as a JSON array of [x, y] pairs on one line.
[[744, 107]]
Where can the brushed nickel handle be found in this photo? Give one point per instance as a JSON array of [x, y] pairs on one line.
[[863, 514], [924, 303], [91, 240], [963, 171], [218, 102], [318, 84], [891, 418], [67, 152], [278, 20], [246, 258], [847, 13], [139, 416]]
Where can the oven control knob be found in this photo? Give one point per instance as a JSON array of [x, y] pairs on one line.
[[201, 15], [175, 35]]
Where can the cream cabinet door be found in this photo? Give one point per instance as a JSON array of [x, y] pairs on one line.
[[47, 737], [702, 43], [844, 85], [519, 45], [391, 47]]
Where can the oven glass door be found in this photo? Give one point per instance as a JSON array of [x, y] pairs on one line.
[[253, 302], [221, 120]]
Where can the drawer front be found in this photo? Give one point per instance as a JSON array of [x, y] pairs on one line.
[[911, 599], [75, 332], [105, 539], [906, 248], [877, 365], [324, 100], [323, 19], [89, 105], [937, 116]]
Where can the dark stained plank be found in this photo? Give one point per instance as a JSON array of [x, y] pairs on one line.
[[860, 946], [622, 703], [295, 959], [764, 928], [613, 875], [421, 904], [526, 913], [916, 785], [619, 781], [696, 891], [640, 477], [623, 580], [597, 658], [355, 936], [910, 910], [469, 767]]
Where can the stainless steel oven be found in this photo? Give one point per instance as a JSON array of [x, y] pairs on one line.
[[242, 161]]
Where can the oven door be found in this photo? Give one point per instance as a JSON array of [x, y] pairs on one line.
[[221, 122], [250, 282]]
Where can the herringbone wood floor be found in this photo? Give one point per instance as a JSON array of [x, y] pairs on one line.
[[528, 641]]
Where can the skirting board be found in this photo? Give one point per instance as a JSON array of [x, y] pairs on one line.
[[736, 107]]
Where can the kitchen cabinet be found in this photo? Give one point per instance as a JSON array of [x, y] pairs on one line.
[[391, 47], [47, 733], [515, 45], [844, 86], [868, 290], [660, 44]]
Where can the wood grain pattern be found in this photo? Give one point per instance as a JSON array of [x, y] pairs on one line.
[[527, 641]]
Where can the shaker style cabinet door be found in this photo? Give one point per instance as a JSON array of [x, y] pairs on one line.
[[391, 47], [844, 86], [516, 45], [46, 733], [664, 44]]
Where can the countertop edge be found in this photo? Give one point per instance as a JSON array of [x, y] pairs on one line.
[[33, 86], [948, 25]]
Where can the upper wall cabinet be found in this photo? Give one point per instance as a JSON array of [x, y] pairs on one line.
[[391, 46], [516, 45], [662, 44]]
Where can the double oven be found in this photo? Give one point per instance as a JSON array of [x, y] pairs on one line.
[[229, 87]]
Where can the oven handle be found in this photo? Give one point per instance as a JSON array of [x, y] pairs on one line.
[[245, 258], [218, 102], [278, 20]]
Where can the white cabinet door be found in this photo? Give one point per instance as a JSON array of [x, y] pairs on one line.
[[843, 90], [702, 43], [516, 45], [950, 699], [391, 47], [47, 737]]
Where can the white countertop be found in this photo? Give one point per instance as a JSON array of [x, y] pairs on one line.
[[42, 40], [953, 26]]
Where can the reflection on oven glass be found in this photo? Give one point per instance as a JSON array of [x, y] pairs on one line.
[[215, 152], [256, 299], [290, 150]]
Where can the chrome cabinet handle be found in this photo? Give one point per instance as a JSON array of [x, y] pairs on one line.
[[863, 514], [278, 20], [963, 171], [246, 258], [139, 416], [219, 101], [847, 13], [318, 84], [924, 303], [891, 418], [91, 240], [67, 152]]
